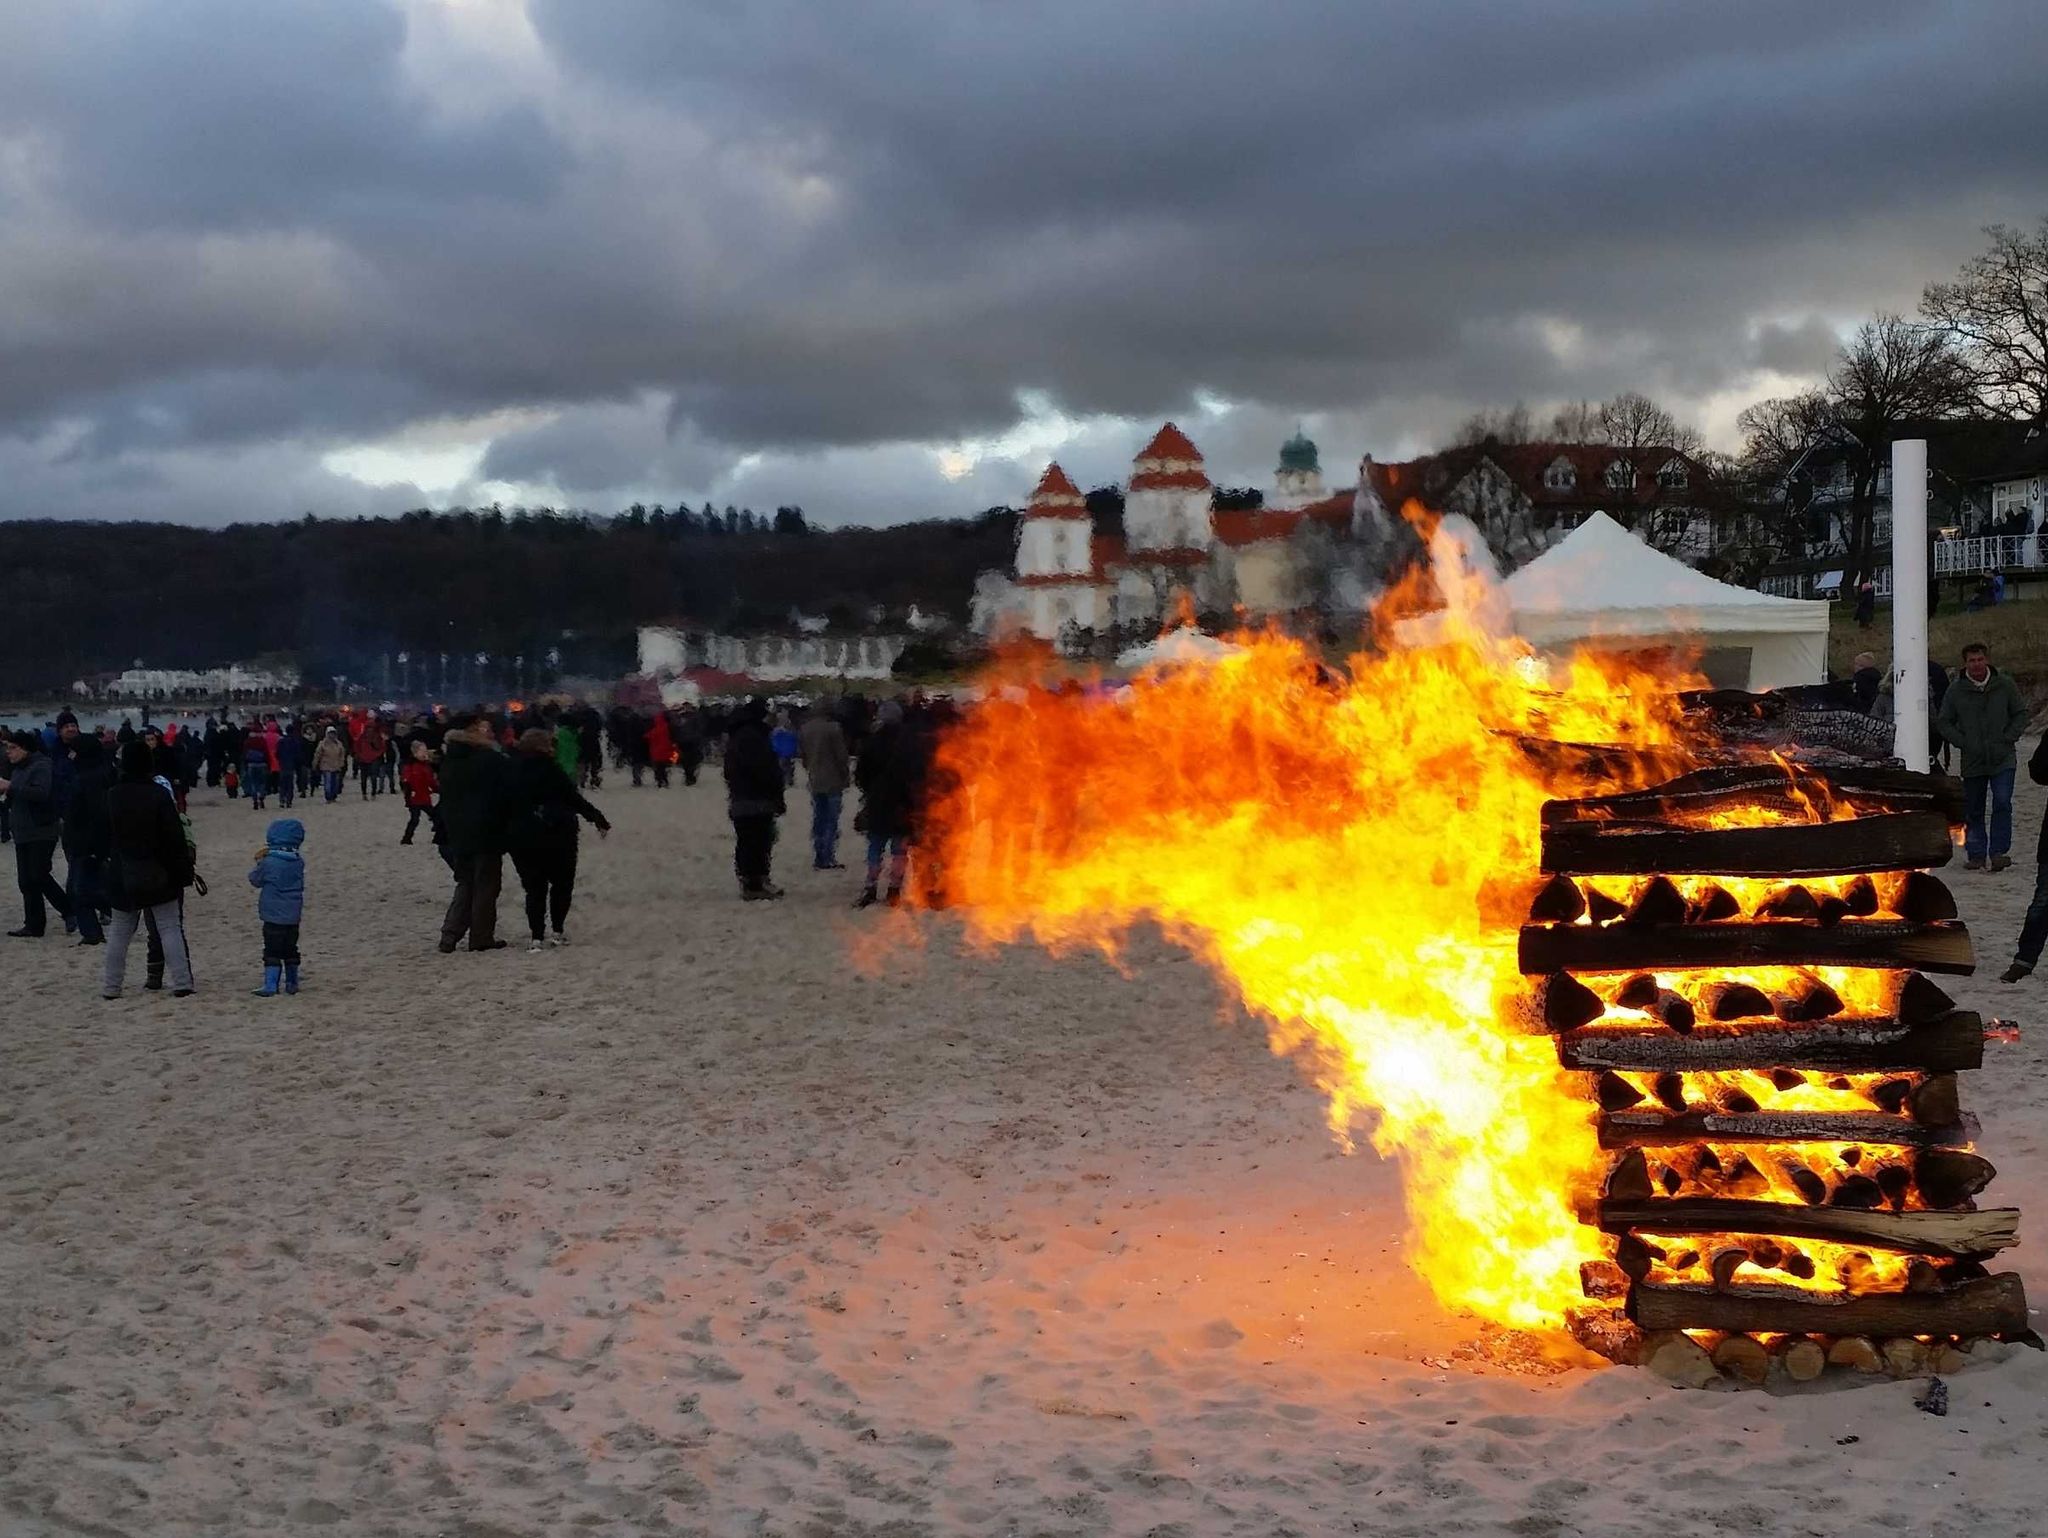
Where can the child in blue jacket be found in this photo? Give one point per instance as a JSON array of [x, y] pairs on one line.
[[280, 881]]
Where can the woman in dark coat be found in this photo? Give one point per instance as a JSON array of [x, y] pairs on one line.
[[149, 865], [543, 835], [754, 799]]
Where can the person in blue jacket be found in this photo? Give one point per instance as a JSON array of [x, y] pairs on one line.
[[280, 881]]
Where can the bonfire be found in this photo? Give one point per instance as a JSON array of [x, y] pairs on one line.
[[1647, 1032]]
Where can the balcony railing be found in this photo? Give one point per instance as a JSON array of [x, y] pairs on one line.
[[1990, 552]]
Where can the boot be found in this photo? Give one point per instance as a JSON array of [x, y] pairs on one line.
[[2019, 969], [867, 898], [269, 988], [291, 977], [896, 896]]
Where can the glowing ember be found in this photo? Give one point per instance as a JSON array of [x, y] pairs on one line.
[[1333, 848]]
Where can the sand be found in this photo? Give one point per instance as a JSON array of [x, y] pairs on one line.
[[753, 1219]]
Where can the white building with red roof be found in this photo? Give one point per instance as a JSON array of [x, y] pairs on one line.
[[1173, 544]]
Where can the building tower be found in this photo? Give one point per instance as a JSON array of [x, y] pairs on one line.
[[1168, 529], [1299, 480], [1055, 558]]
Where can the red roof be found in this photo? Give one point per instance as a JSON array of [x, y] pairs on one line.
[[1430, 479], [1177, 480], [1056, 496], [1170, 443], [1055, 483], [1251, 525], [1180, 555]]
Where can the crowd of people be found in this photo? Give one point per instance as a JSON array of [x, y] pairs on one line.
[[488, 787]]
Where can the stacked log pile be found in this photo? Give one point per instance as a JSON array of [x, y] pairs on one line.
[[1738, 963]]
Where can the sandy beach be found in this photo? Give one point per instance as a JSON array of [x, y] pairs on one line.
[[782, 1219]]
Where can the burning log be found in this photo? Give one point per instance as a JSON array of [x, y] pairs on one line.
[[1614, 848], [1705, 792], [1936, 1101], [1857, 1353], [1803, 1359], [1816, 1002], [1941, 947], [1954, 1041], [1736, 1001], [1712, 905], [1950, 1234], [1559, 902], [1656, 1129], [1658, 903], [1923, 899], [1946, 1177], [1791, 902], [1743, 1358], [1992, 1305], [1569, 1003]]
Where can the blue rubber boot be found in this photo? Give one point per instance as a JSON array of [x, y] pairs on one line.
[[291, 977], [269, 988]]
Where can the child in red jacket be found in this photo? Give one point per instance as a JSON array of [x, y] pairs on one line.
[[419, 782]]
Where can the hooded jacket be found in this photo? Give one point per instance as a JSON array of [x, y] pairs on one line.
[[753, 776], [331, 757], [280, 874]]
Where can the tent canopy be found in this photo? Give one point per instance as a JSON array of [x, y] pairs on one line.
[[1177, 647], [1603, 587]]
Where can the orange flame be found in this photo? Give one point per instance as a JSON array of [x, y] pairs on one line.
[[1326, 843]]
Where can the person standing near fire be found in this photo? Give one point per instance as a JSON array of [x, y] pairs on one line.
[[1983, 716]]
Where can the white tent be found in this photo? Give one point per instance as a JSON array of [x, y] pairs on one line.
[[1602, 587], [1177, 648]]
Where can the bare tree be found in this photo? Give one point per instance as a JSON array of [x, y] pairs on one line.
[[1892, 372], [1578, 422], [1996, 311], [1494, 424], [1644, 437]]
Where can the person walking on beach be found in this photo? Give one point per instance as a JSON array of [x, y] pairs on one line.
[[828, 770], [37, 821], [149, 865], [476, 796], [85, 837], [419, 782], [786, 745], [754, 799], [370, 758], [543, 833], [279, 877], [1983, 716], [660, 748], [330, 762], [889, 772]]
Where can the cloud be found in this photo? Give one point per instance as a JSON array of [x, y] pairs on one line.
[[783, 252]]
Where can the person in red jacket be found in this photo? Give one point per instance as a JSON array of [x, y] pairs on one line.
[[419, 782], [369, 751], [661, 748]]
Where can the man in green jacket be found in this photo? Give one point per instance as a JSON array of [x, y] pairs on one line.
[[1983, 716]]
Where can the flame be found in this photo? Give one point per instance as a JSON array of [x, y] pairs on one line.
[[1325, 843]]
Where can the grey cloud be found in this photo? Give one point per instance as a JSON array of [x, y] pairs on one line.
[[819, 235]]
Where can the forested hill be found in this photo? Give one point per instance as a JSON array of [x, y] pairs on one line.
[[81, 598]]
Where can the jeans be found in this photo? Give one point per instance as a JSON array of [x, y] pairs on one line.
[[1975, 844], [83, 885], [256, 784], [473, 910], [32, 862], [549, 878], [167, 922], [897, 849], [825, 826], [280, 944], [286, 787], [753, 848], [330, 784]]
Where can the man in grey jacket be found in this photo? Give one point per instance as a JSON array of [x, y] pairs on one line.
[[37, 820], [828, 769], [1983, 715]]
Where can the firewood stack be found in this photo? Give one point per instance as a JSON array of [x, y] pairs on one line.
[[1736, 961]]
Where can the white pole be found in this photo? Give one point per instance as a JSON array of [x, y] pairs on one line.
[[1909, 601]]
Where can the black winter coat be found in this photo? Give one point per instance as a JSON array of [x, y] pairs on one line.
[[149, 862], [548, 805], [753, 775], [88, 833], [890, 773], [477, 799]]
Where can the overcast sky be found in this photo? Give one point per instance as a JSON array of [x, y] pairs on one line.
[[260, 257]]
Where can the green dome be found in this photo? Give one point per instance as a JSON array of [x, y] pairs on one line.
[[1299, 453]]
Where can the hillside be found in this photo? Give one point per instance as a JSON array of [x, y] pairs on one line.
[[82, 598]]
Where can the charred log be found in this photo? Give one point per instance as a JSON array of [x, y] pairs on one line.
[[1655, 1129], [1705, 792], [1956, 1040], [1955, 1235], [1877, 943], [1923, 899], [1559, 902], [1994, 1305], [1618, 848], [1569, 1003], [1946, 1177]]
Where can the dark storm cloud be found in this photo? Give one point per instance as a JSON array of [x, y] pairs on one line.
[[727, 241]]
